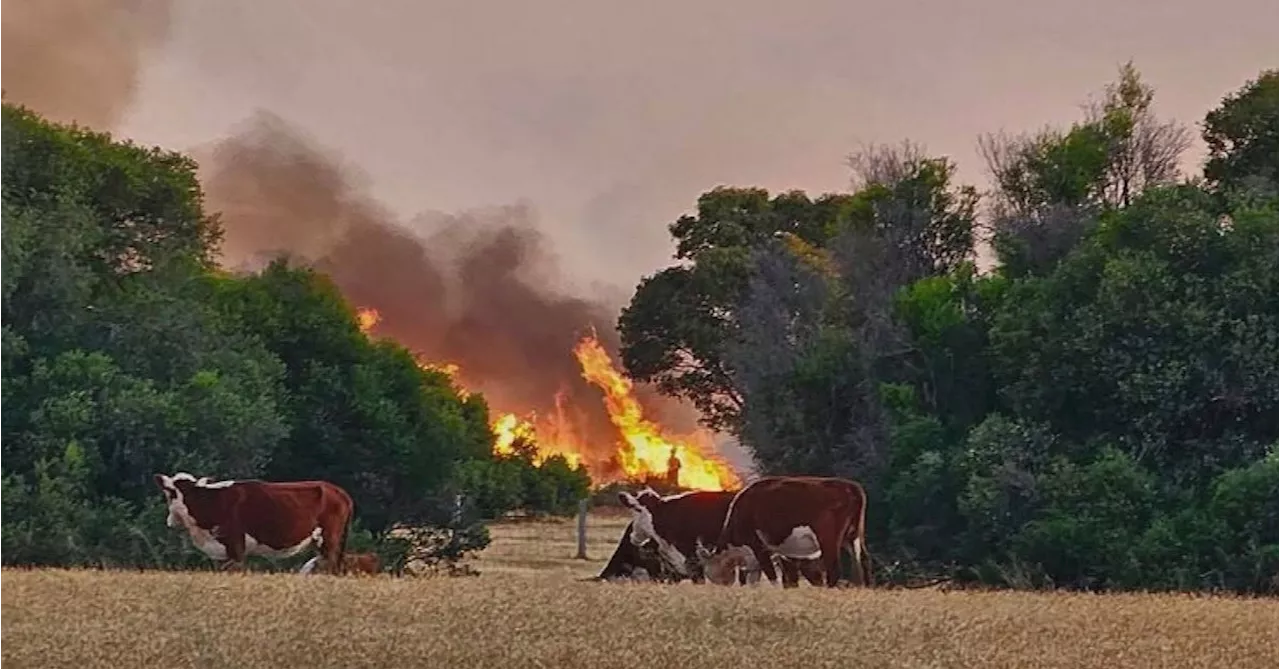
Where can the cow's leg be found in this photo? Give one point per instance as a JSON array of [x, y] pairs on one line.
[[790, 573], [233, 540], [765, 560], [831, 541], [813, 572], [330, 548]]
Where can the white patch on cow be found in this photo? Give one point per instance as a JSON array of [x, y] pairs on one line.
[[310, 565], [179, 514], [800, 544], [205, 541], [204, 482], [678, 495], [254, 547]]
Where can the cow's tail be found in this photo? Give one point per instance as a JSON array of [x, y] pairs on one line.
[[858, 543], [346, 534]]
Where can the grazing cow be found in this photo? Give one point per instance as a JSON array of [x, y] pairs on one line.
[[678, 525], [231, 520], [833, 510], [630, 560]]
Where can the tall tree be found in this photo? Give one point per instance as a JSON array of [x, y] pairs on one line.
[[1142, 150], [1241, 135], [680, 320]]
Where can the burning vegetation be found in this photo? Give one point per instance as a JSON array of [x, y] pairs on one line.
[[641, 449]]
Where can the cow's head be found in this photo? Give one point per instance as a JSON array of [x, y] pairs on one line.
[[649, 523], [183, 493]]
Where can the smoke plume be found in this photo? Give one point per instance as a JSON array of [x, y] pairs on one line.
[[78, 60], [476, 288]]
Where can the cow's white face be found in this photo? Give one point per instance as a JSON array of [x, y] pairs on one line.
[[643, 530], [179, 515]]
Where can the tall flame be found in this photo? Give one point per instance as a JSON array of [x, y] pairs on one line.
[[642, 451], [645, 450]]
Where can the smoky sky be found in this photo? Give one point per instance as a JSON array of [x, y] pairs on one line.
[[572, 132], [473, 288], [79, 60]]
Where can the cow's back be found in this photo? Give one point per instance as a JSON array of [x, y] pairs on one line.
[[777, 504], [700, 517], [287, 512]]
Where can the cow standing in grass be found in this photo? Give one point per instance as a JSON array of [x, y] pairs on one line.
[[680, 525], [769, 511], [231, 520]]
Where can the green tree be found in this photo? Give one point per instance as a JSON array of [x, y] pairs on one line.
[[1241, 136], [680, 320]]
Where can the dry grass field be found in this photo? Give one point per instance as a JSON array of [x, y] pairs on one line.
[[528, 609]]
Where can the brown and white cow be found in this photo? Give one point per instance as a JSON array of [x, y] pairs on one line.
[[678, 525], [768, 511], [231, 520]]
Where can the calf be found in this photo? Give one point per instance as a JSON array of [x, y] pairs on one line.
[[231, 520], [798, 554], [833, 510], [361, 563]]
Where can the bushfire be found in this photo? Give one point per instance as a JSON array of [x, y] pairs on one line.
[[642, 451]]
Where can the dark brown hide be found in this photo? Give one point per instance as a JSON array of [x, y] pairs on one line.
[[277, 515], [834, 508]]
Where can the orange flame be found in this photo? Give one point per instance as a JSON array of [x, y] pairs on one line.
[[642, 450], [645, 450], [367, 318]]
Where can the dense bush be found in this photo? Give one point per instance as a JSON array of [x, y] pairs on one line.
[[126, 352]]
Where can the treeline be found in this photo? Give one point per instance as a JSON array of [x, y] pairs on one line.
[[127, 352], [1098, 410]]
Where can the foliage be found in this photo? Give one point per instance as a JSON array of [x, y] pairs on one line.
[[1097, 411], [126, 353], [1242, 136]]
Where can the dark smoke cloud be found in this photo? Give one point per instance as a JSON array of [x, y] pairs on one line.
[[476, 288], [78, 60]]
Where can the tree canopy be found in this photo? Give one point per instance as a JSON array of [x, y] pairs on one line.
[[126, 352], [1095, 410]]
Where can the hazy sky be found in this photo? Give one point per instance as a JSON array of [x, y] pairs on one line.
[[610, 118]]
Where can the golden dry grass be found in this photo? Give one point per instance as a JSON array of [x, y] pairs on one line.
[[528, 609]]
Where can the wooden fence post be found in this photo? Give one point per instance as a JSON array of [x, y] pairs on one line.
[[582, 530]]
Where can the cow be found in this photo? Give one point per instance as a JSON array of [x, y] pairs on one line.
[[679, 525], [833, 510], [231, 520], [630, 560]]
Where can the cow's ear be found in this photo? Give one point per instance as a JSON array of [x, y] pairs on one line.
[[162, 480], [629, 501]]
